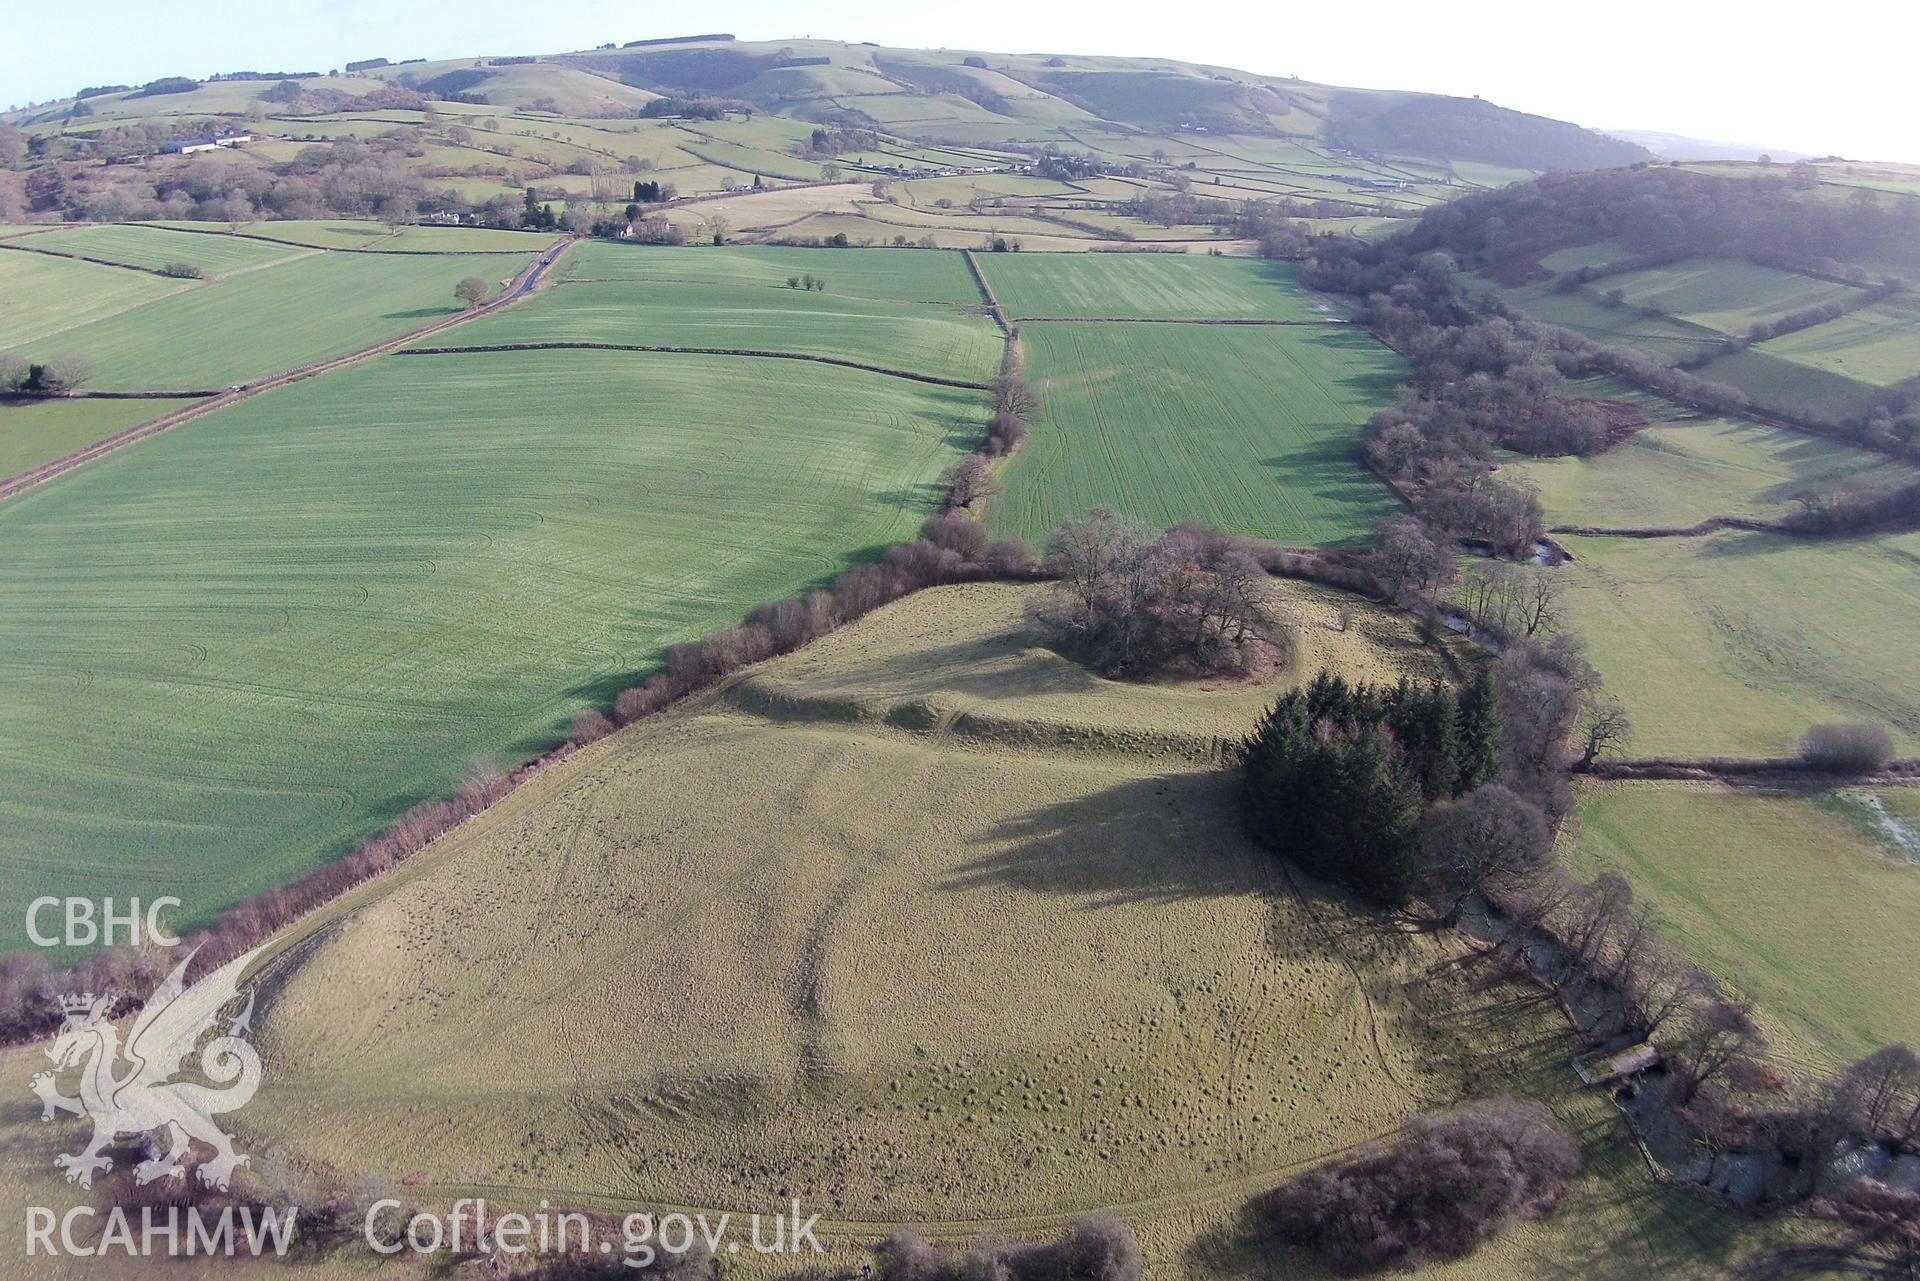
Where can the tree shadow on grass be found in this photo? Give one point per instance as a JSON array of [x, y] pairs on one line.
[[1146, 840]]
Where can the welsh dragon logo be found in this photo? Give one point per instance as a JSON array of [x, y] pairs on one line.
[[135, 1088]]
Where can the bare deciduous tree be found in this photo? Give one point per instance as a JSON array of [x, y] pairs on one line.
[[1605, 728], [1721, 1034], [1488, 840]]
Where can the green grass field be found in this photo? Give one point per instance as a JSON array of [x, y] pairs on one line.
[[41, 296], [37, 432], [945, 342], [246, 326], [885, 275], [1253, 429], [463, 240], [157, 247], [1662, 337], [1788, 898], [262, 635], [336, 233], [1775, 382], [1730, 645], [1158, 286], [1723, 294], [1879, 344], [1676, 475], [347, 233]]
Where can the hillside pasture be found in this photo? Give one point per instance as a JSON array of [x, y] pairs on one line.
[[256, 323], [1726, 295], [1794, 387], [1253, 429], [1672, 476], [42, 296], [760, 212], [1662, 337], [1878, 344], [1788, 898], [1146, 286], [267, 632], [1733, 643], [895, 969]]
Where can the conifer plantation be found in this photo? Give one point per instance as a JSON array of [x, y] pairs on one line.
[[1338, 775]]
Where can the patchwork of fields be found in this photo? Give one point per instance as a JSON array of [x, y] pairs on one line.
[[1722, 294], [1837, 369], [268, 631], [246, 644], [1253, 429]]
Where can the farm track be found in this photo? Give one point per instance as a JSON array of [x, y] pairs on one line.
[[1184, 1198], [931, 379], [519, 287]]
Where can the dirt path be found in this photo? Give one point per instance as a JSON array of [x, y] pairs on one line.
[[519, 287]]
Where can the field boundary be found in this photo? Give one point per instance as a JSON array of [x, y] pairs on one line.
[[517, 288], [994, 308], [1181, 320], [551, 245], [13, 398], [11, 243], [1711, 525], [1753, 771], [661, 349]]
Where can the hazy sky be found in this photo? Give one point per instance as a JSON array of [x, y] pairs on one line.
[[1833, 78]]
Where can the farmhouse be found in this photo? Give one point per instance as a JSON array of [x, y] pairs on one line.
[[191, 146]]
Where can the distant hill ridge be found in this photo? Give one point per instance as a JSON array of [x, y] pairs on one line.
[[1149, 94], [966, 97]]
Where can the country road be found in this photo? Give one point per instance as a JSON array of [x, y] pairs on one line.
[[519, 287]]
